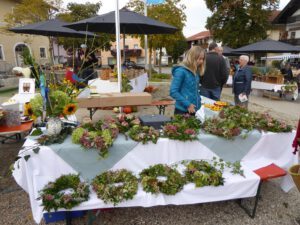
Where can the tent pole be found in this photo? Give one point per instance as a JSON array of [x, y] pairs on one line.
[[117, 19], [146, 38], [124, 45]]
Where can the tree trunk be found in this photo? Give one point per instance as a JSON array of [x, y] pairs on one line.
[[159, 61], [150, 63]]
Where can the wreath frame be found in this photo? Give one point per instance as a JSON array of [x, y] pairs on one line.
[[103, 186], [174, 183], [201, 173], [52, 198]]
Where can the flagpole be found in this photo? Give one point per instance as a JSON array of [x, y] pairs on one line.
[[117, 19]]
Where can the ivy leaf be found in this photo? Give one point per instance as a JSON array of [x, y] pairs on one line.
[[26, 157], [36, 150], [17, 158]]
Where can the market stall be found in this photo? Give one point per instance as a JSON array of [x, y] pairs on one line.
[[256, 151]]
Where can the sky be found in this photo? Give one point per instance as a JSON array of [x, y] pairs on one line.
[[196, 12]]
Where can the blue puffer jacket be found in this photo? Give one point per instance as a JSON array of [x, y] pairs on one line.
[[185, 88]]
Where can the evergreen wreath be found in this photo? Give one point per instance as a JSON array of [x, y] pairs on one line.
[[143, 134], [150, 182], [115, 186], [201, 173], [53, 195]]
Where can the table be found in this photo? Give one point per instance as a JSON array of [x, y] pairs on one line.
[[105, 86], [8, 132], [269, 147]]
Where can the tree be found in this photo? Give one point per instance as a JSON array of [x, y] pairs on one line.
[[76, 12], [32, 11], [239, 22], [177, 49], [170, 12]]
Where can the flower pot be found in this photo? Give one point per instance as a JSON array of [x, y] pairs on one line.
[[54, 126], [295, 174]]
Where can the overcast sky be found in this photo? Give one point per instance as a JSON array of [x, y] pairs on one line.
[[195, 11]]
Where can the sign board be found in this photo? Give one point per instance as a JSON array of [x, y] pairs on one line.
[[26, 86]]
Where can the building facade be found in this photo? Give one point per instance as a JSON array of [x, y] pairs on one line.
[[203, 38], [12, 45]]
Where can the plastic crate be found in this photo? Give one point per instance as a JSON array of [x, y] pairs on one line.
[[59, 216]]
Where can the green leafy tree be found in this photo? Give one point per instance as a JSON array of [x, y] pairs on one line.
[[32, 11], [170, 12], [177, 49], [239, 22]]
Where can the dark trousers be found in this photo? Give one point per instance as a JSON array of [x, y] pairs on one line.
[[88, 74], [213, 94]]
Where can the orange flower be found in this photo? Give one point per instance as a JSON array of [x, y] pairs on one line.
[[70, 109]]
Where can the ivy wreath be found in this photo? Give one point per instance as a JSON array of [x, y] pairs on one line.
[[201, 173], [151, 183], [115, 186], [65, 192]]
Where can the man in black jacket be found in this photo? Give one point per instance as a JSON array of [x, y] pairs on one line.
[[215, 75]]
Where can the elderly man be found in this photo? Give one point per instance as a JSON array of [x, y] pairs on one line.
[[242, 82]]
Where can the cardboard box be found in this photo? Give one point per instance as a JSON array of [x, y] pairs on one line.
[[115, 99]]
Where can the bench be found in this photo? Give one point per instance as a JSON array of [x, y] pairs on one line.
[[15, 131], [160, 105]]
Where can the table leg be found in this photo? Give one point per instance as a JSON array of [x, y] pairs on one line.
[[68, 218]]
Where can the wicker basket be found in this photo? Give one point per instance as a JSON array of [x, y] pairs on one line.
[[294, 172]]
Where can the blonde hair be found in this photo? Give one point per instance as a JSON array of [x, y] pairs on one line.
[[191, 57]]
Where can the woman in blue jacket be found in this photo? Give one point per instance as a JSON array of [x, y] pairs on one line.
[[185, 84], [242, 79]]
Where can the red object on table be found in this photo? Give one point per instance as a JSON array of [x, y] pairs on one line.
[[269, 172], [16, 129], [295, 142]]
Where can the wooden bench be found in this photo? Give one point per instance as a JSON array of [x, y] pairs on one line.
[[15, 131], [160, 105]]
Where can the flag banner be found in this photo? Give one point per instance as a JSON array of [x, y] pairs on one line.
[[155, 2]]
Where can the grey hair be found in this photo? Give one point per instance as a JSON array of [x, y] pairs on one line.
[[245, 57]]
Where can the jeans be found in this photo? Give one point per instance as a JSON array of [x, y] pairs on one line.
[[213, 94]]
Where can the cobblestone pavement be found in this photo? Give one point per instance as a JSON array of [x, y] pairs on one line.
[[275, 207]]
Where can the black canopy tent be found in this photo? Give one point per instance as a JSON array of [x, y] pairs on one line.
[[130, 23], [51, 28], [267, 46]]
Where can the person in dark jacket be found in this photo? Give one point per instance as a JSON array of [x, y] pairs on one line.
[[216, 74], [185, 84], [242, 79], [88, 60]]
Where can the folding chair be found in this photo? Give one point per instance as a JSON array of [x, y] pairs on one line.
[[265, 173]]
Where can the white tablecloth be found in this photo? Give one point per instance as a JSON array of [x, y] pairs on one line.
[[45, 166], [105, 86]]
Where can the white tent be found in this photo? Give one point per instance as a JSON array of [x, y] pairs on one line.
[[281, 57]]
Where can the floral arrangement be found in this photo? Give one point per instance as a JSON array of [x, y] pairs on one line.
[[266, 123], [289, 87], [183, 128], [58, 104], [151, 183], [54, 196], [143, 134], [115, 186], [100, 136], [221, 127], [203, 174], [126, 121], [53, 139]]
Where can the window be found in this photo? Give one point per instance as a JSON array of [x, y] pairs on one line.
[[42, 53], [293, 35], [135, 46], [1, 53], [112, 61], [126, 47]]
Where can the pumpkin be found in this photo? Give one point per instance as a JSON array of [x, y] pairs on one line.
[[127, 109]]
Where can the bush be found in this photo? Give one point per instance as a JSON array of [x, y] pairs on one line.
[[161, 76]]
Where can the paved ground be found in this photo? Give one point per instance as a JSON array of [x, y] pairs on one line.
[[275, 207]]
